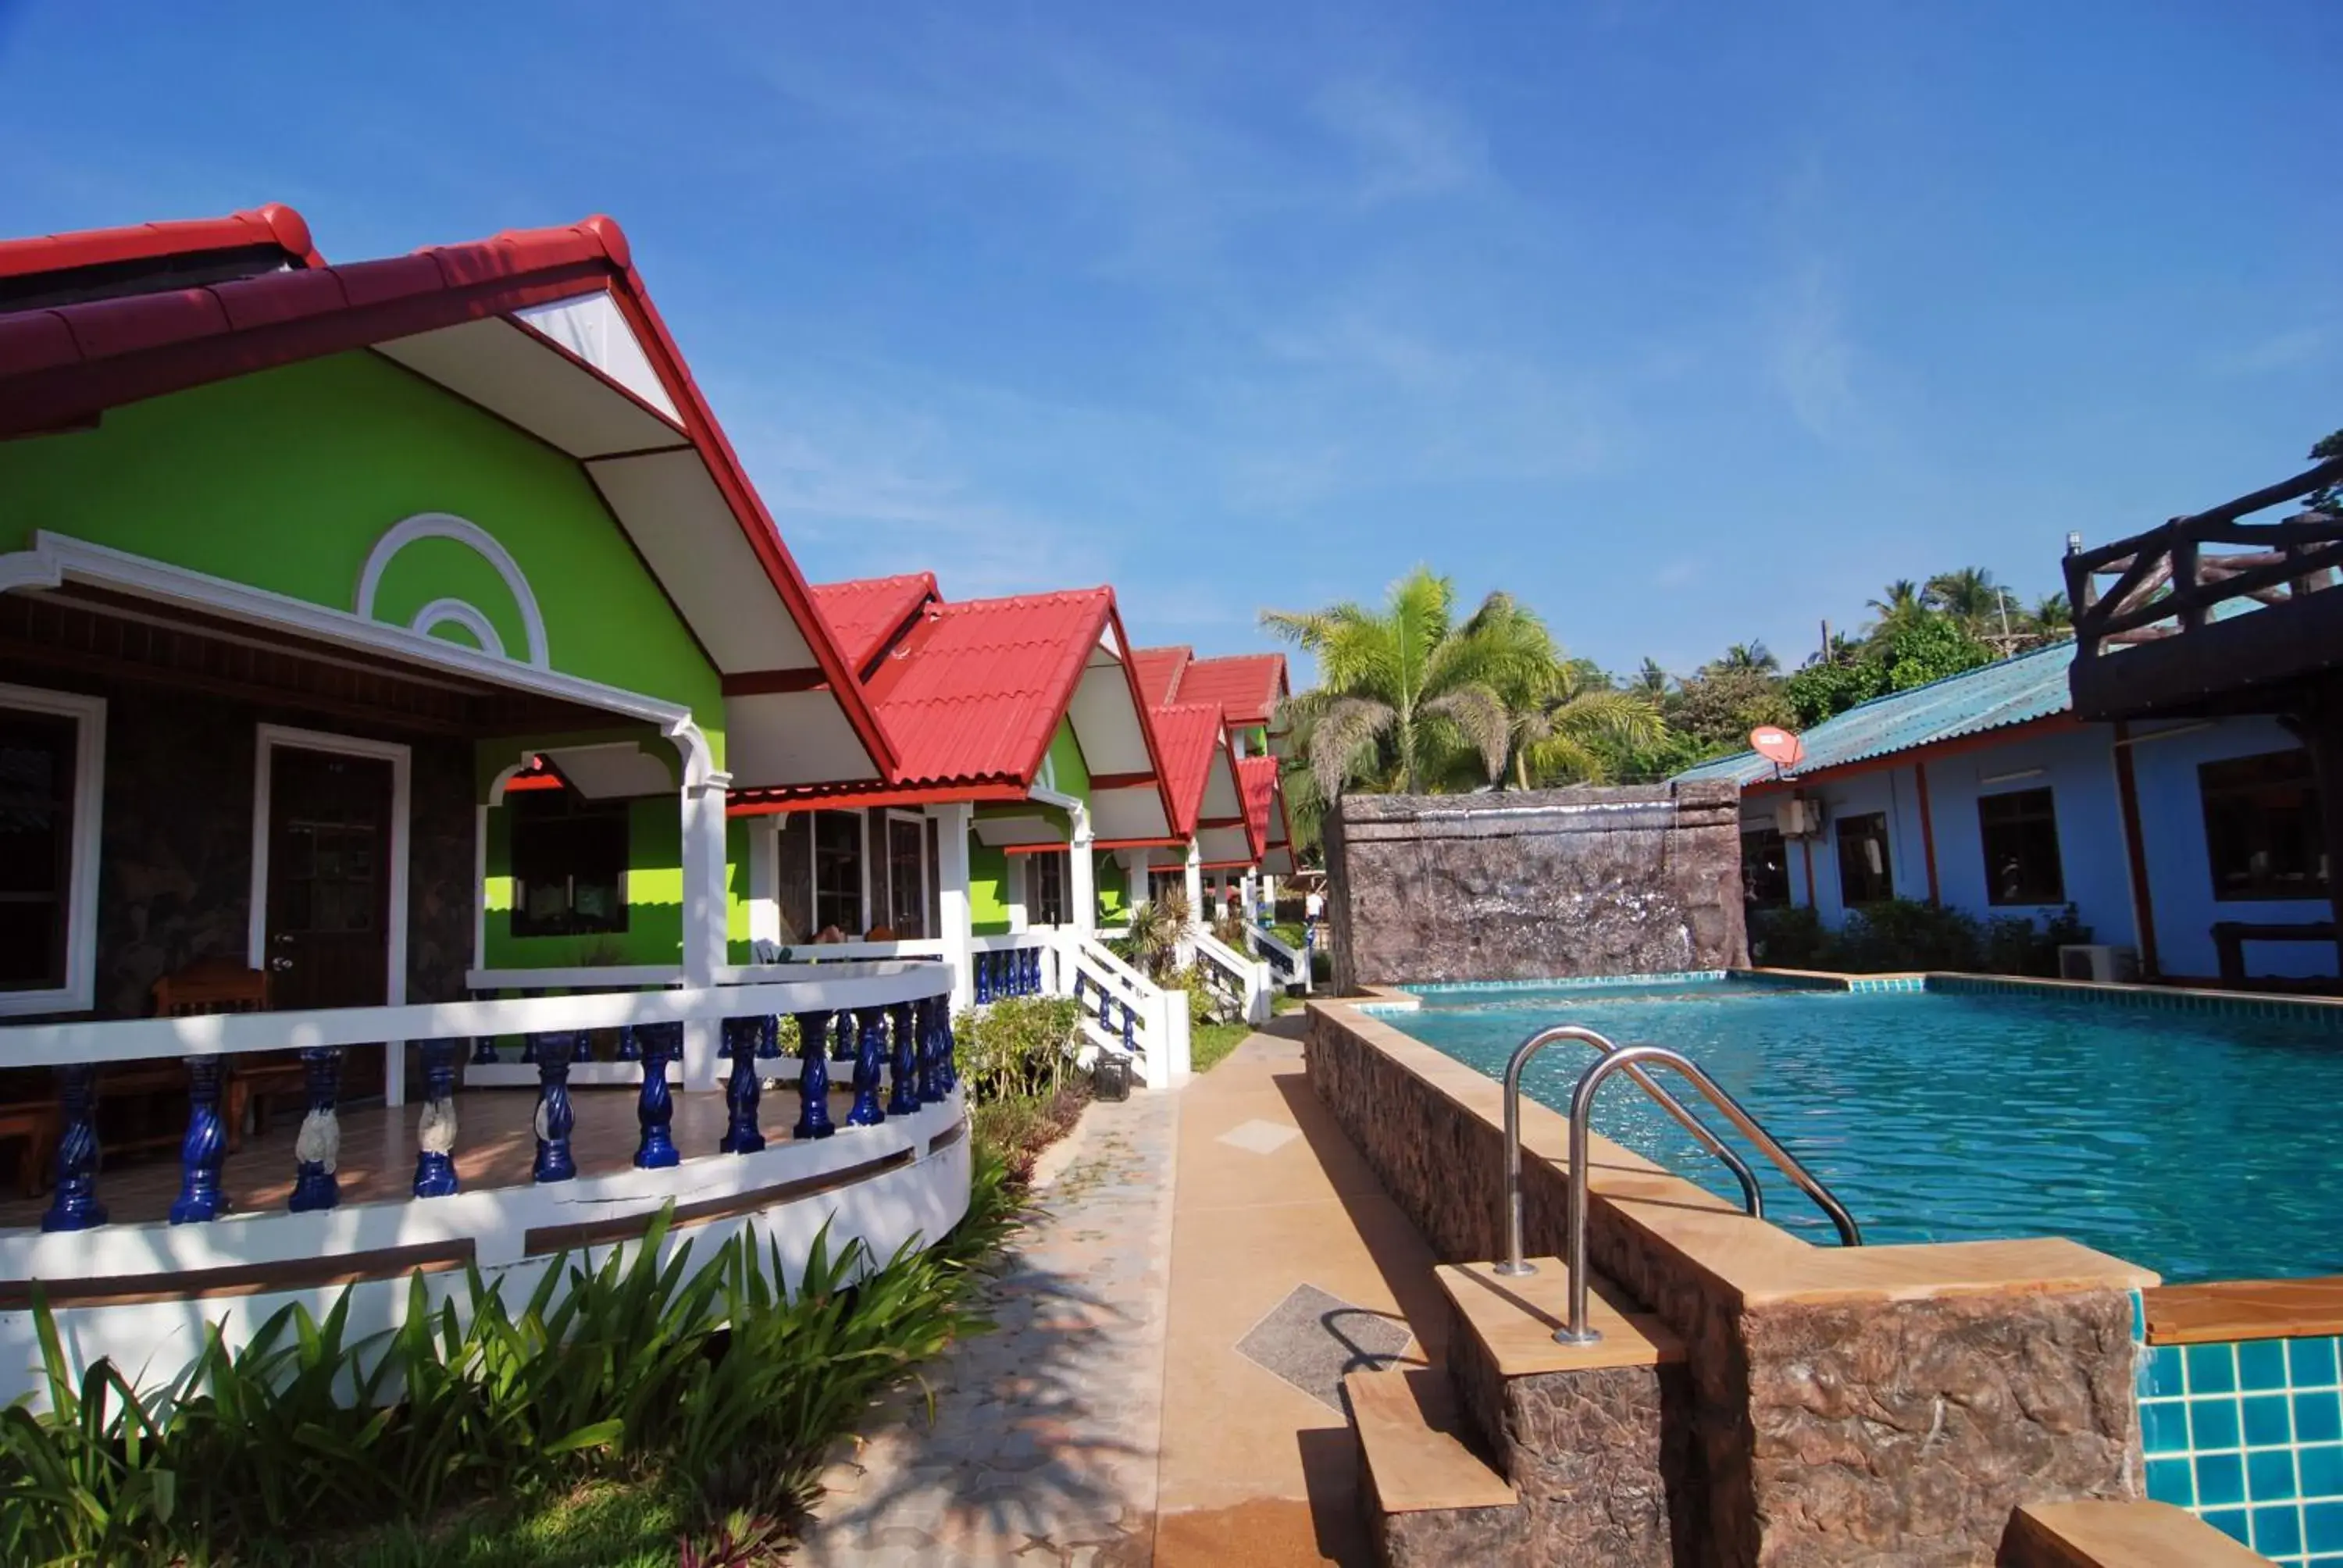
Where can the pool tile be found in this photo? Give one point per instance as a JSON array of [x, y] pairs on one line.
[[2163, 1426], [2231, 1522], [2220, 1480], [2322, 1527], [2269, 1476], [2278, 1532], [2169, 1481], [2212, 1369], [2269, 1421], [2310, 1364], [2160, 1371], [2213, 1424], [2261, 1366], [2322, 1470], [2319, 1417]]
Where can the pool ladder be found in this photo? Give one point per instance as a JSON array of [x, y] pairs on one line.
[[1631, 1060]]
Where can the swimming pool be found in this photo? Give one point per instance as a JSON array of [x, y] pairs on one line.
[[2201, 1145]]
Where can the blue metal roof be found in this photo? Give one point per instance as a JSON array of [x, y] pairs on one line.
[[1991, 697]]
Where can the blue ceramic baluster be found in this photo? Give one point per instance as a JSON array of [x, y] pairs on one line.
[[628, 1048], [813, 1077], [742, 1039], [317, 1146], [949, 1068], [931, 1088], [581, 1045], [983, 978], [205, 1143], [75, 1206], [655, 1106], [903, 1095], [769, 1038], [1129, 1023], [484, 1050], [869, 1050], [1032, 972], [435, 1135], [554, 1117], [842, 1045], [529, 1050]]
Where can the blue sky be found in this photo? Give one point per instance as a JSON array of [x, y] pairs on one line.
[[1688, 324]]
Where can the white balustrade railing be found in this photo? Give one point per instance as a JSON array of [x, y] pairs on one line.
[[1289, 967], [1015, 964], [1241, 979], [857, 1002], [1124, 1012]]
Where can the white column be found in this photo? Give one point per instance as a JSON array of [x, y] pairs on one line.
[[704, 868], [1084, 893], [1269, 895], [1135, 879], [958, 915], [765, 879], [1195, 883]]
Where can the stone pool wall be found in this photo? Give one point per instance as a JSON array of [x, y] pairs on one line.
[[1846, 1406], [1535, 884]]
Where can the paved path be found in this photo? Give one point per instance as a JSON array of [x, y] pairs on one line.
[[1043, 1446]]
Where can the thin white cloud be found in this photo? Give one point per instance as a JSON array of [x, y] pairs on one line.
[[1407, 145], [2287, 350], [1811, 357]]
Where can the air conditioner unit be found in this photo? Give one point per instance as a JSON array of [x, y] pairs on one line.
[[1798, 817], [2097, 962]]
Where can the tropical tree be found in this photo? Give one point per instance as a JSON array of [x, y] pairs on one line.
[[1899, 605], [1404, 688], [1968, 594], [1575, 730], [1650, 680], [1754, 655], [2053, 617]]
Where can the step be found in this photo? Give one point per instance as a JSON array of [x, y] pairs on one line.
[[1596, 1437], [1429, 1499], [2095, 1534]]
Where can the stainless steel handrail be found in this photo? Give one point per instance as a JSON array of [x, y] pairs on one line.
[[1752, 1198], [1626, 1057]]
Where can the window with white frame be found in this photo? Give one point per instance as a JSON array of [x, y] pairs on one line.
[[52, 781]]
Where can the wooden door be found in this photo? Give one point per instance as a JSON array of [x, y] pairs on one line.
[[329, 880]]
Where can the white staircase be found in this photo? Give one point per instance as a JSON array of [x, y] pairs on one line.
[[1241, 980], [1125, 1012]]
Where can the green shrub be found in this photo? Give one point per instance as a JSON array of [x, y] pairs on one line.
[[2016, 945], [1788, 938], [1020, 1045], [1906, 934], [1204, 1004], [712, 1378]]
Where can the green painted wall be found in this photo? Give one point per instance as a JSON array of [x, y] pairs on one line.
[[1066, 765], [1113, 893], [988, 885], [285, 479]]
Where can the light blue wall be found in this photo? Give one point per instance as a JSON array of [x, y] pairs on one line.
[[2180, 868], [2078, 766]]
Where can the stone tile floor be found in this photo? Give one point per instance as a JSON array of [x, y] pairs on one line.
[[1043, 1445]]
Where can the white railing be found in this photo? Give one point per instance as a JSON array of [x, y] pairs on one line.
[[1125, 1012], [657, 1026], [1289, 968], [1241, 979], [1015, 964]]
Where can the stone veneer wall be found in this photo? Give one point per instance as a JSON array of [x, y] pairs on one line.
[[1535, 884], [1861, 1430], [174, 858]]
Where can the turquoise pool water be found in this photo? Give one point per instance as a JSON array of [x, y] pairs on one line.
[[2204, 1147]]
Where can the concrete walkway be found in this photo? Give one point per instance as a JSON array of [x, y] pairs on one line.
[[1227, 1231]]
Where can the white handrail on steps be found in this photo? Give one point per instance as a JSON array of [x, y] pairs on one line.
[[1248, 977], [1158, 1018], [1270, 946]]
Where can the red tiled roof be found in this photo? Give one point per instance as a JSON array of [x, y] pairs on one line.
[[1246, 686], [1189, 736], [976, 690], [62, 366], [864, 613], [1158, 672], [274, 224], [1264, 802]]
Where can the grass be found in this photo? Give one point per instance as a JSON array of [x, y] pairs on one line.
[[1209, 1043], [604, 1524]]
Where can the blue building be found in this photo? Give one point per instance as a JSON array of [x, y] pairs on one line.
[[1985, 793]]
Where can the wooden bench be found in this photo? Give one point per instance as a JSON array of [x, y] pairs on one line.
[[38, 1125], [2231, 937]]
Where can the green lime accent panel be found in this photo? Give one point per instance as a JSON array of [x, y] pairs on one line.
[[1113, 891], [1067, 764], [988, 888], [654, 933], [285, 479]]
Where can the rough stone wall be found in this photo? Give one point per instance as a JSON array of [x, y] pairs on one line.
[[1863, 1433], [1537, 884], [174, 858], [1597, 1456]]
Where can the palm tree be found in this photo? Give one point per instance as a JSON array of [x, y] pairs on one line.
[[1651, 680], [2053, 617], [1403, 687], [1901, 606], [1752, 656], [1969, 596], [1560, 735]]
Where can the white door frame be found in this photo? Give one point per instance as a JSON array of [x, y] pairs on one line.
[[268, 738]]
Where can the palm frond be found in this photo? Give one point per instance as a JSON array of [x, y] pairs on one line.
[[1480, 715]]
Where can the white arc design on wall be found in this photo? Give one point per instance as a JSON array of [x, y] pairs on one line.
[[455, 611]]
